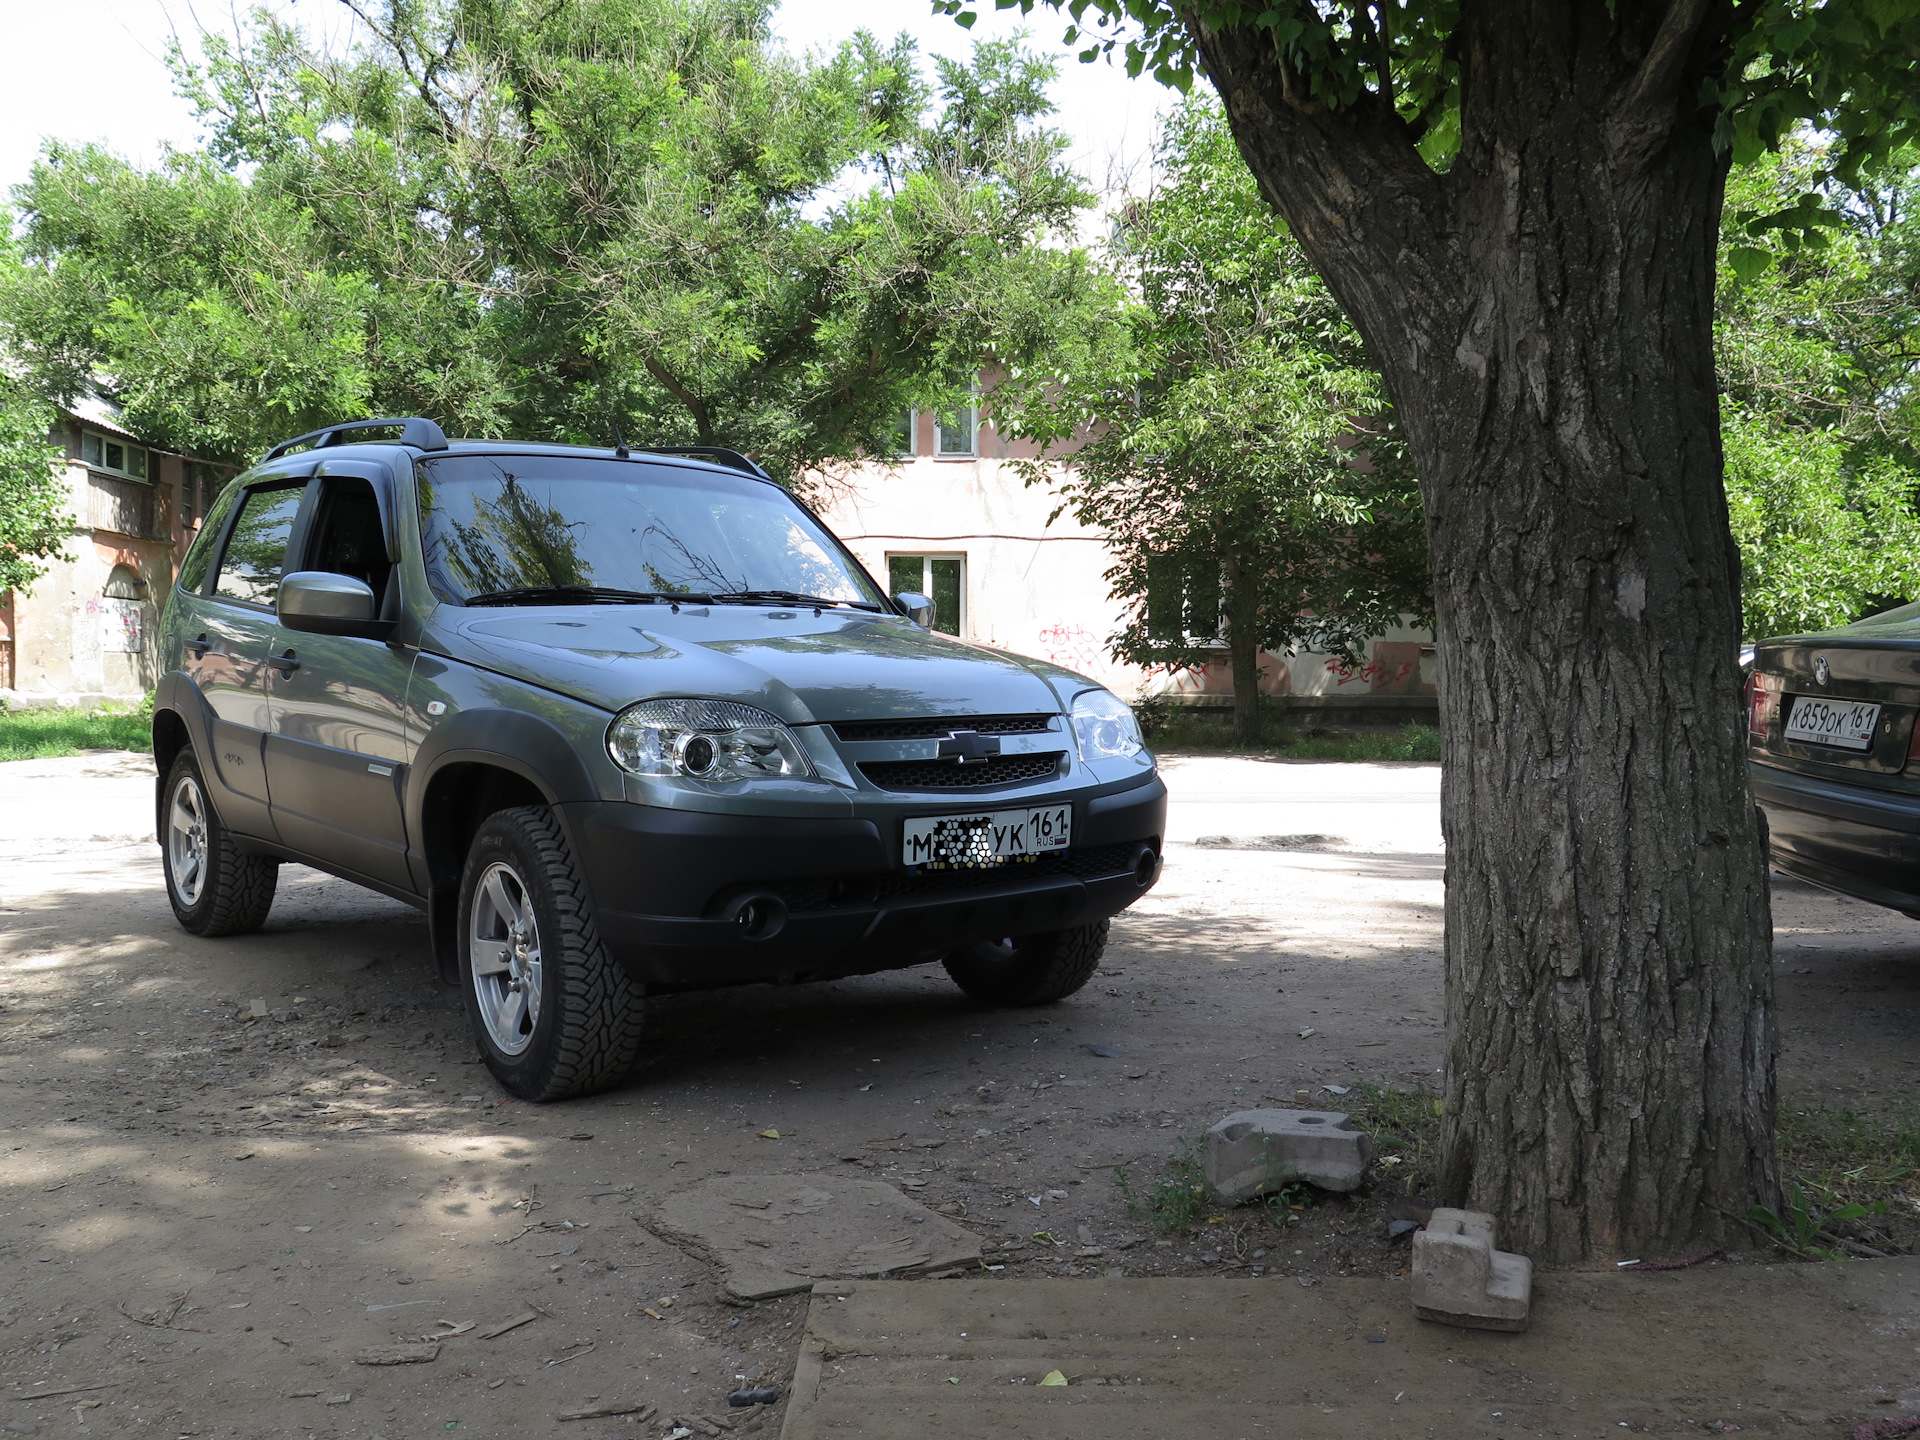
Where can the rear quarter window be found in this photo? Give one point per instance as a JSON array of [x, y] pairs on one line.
[[193, 570]]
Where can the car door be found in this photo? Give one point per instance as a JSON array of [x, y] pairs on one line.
[[338, 749], [229, 655]]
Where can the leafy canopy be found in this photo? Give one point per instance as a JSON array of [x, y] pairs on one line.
[[1231, 437], [33, 496], [527, 218], [1850, 68], [1818, 346]]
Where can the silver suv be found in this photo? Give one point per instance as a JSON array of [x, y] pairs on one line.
[[622, 722]]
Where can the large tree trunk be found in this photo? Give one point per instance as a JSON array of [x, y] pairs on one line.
[[1543, 316], [1243, 645]]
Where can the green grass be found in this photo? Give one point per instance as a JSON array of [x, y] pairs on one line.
[[46, 734], [1174, 731]]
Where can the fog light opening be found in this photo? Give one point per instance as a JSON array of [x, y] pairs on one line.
[[1146, 865], [760, 917]]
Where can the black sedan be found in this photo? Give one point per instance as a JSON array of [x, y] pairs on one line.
[[1835, 755]]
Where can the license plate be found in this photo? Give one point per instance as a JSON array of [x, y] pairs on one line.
[[961, 842], [1847, 724]]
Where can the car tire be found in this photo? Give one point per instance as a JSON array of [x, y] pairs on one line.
[[215, 888], [1030, 969], [552, 1012]]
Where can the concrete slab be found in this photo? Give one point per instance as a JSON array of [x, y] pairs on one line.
[[1255, 1152], [778, 1234], [1772, 1350]]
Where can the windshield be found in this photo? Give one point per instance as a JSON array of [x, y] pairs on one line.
[[513, 526]]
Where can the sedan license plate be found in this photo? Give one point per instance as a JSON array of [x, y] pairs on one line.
[[1847, 724], [965, 842]]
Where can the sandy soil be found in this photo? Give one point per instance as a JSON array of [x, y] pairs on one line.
[[210, 1214]]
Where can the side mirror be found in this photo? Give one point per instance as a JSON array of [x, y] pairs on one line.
[[918, 607], [322, 603]]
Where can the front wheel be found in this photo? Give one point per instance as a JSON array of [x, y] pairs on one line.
[[1030, 969], [554, 1015], [214, 887]]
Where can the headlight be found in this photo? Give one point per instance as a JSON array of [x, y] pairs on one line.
[[704, 740], [1104, 726]]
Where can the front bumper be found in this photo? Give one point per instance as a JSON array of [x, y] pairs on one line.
[[1850, 838], [693, 899]]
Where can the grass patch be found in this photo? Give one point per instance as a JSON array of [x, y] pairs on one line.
[[1173, 1201], [1177, 730], [47, 734], [1405, 1126], [1851, 1177]]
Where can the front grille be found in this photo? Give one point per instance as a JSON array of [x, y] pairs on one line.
[[803, 896], [937, 729], [950, 775]]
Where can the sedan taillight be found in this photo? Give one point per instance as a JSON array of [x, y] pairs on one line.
[[1763, 702]]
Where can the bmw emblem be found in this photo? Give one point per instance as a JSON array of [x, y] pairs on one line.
[[1822, 672]]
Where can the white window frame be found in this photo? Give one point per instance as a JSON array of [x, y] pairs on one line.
[[143, 476], [927, 557], [972, 452], [911, 450]]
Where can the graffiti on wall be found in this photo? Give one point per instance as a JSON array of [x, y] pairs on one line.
[[1071, 646]]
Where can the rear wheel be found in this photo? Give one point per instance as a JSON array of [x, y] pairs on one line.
[[554, 1015], [1030, 969], [214, 888]]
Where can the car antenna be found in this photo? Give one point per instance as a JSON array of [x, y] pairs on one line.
[[613, 419]]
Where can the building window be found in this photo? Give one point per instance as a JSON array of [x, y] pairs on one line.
[[906, 425], [956, 434], [116, 457], [1184, 599], [942, 578]]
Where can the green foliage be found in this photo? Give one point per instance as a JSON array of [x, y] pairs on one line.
[[1802, 1225], [33, 521], [1191, 730], [1818, 348], [50, 733], [526, 218], [1231, 438], [1174, 1200], [1847, 68]]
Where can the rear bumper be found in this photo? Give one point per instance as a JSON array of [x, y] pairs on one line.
[[689, 900], [1849, 838]]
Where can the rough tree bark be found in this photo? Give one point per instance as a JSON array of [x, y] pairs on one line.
[[1542, 314]]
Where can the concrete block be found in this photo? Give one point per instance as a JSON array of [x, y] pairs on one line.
[[1460, 1279], [1257, 1151]]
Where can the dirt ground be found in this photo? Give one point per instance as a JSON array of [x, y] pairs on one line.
[[209, 1214]]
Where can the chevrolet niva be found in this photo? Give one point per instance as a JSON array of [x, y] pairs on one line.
[[622, 722]]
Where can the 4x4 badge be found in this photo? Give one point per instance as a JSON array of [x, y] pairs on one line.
[[1822, 672]]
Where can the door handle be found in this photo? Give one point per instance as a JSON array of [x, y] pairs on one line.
[[285, 664], [199, 645]]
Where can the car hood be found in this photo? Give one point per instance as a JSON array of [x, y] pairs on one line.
[[838, 665]]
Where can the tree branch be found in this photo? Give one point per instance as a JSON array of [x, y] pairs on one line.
[[1643, 115], [695, 405]]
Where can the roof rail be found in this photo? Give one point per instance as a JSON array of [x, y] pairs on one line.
[[420, 434], [719, 454]]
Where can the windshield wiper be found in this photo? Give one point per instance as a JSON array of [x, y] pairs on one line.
[[786, 597], [587, 595]]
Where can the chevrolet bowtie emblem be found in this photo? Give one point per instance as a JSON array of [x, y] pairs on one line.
[[969, 747]]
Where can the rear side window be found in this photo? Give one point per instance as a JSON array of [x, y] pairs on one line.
[[256, 553]]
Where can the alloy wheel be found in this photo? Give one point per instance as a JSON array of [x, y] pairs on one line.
[[504, 942], [187, 840]]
